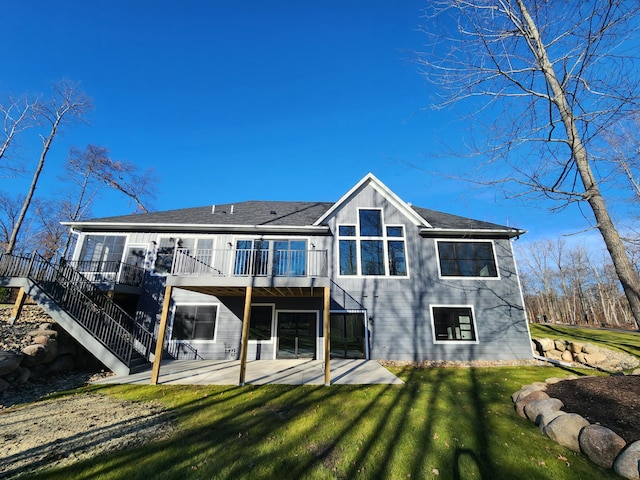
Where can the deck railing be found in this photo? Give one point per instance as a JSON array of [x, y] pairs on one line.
[[113, 272], [85, 303], [250, 263]]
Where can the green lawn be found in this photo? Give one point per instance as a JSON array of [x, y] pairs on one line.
[[445, 423]]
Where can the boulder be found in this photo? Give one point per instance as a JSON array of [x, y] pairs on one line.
[[601, 444], [565, 430], [19, 376], [9, 361], [553, 354], [535, 409], [527, 389], [560, 345], [524, 401], [627, 464], [547, 417], [4, 384], [579, 357], [62, 363], [594, 358], [33, 355], [546, 344], [567, 356], [47, 333], [575, 347], [52, 351], [553, 380], [46, 326], [590, 348]]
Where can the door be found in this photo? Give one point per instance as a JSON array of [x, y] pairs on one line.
[[348, 335], [297, 333]]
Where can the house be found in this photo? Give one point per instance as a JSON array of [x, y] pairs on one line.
[[369, 276]]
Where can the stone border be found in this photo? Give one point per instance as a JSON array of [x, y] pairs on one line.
[[600, 444]]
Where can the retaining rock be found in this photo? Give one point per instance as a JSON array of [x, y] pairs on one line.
[[587, 354], [627, 464], [547, 417], [601, 444], [524, 401], [9, 361], [535, 409], [565, 430]]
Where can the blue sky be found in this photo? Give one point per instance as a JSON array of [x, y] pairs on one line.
[[232, 101]]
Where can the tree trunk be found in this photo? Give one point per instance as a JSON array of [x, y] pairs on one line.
[[623, 266]]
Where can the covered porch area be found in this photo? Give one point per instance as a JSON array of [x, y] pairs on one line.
[[250, 289]]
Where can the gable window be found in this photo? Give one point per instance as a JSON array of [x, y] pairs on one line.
[[260, 323], [467, 259], [371, 248], [194, 322], [453, 324]]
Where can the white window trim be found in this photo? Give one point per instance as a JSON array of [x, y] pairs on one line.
[[198, 341], [385, 246], [142, 246], [468, 240], [453, 342], [273, 323]]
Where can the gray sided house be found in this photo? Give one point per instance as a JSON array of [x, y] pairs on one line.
[[388, 280]]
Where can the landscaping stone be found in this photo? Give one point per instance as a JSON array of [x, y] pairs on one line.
[[526, 390], [547, 417], [553, 380], [627, 464], [9, 361], [33, 355], [546, 344], [567, 356], [587, 354], [590, 348], [601, 444], [524, 401], [560, 345], [535, 409], [565, 430], [47, 333], [575, 347], [594, 358]]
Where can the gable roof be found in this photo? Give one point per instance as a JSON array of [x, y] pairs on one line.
[[288, 217]]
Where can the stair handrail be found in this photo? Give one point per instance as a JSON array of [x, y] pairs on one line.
[[98, 313]]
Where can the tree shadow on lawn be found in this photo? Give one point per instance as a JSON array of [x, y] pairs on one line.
[[436, 420]]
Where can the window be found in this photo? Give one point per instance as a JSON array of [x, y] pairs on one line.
[[467, 259], [164, 255], [194, 322], [280, 258], [260, 322], [371, 248], [453, 324], [102, 248]]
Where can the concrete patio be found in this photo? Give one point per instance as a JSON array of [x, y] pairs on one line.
[[261, 372]]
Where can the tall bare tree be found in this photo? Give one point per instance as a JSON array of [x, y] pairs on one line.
[[67, 105], [564, 73]]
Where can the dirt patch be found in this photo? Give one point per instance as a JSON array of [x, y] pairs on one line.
[[613, 402], [62, 431]]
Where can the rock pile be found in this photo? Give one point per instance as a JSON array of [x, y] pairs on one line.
[[585, 354], [48, 351], [602, 445]]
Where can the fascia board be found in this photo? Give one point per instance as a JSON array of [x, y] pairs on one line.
[[385, 192], [470, 232], [179, 227]]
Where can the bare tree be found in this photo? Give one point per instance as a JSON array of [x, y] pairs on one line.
[[564, 73], [67, 105], [17, 115]]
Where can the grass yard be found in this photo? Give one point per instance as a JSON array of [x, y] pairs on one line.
[[445, 423]]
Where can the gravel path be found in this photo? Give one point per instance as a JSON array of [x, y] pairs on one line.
[[62, 431]]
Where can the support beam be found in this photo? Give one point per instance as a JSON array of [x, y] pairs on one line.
[[245, 336], [327, 338], [17, 307], [155, 373]]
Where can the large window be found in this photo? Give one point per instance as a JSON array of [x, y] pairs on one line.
[[453, 324], [467, 259], [164, 255], [194, 322], [102, 248], [371, 248], [196, 254], [260, 323]]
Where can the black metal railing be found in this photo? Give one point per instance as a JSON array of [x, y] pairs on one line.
[[181, 351], [85, 303], [113, 272]]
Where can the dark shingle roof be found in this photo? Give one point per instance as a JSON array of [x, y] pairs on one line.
[[273, 213]]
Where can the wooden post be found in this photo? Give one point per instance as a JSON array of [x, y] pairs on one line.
[[155, 373], [245, 336], [327, 339], [17, 307]]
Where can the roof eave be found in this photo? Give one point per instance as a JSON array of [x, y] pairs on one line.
[[471, 232], [181, 227]]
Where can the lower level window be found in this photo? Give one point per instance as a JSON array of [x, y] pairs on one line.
[[260, 322], [453, 324], [194, 322]]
